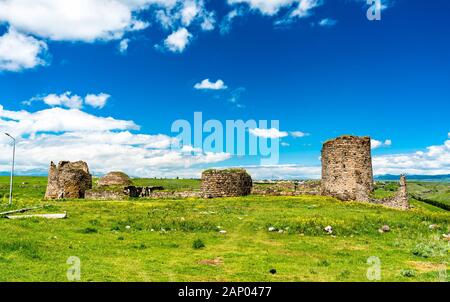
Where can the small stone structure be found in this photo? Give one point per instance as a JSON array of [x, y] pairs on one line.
[[226, 183], [400, 200], [347, 168], [68, 180], [115, 179]]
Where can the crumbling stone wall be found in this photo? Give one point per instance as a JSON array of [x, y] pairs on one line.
[[68, 180], [121, 192], [400, 200], [226, 183], [286, 188], [347, 168], [115, 179]]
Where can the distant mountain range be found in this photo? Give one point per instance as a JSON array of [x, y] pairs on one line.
[[437, 178]]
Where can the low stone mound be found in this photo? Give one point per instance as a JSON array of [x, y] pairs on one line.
[[68, 180], [115, 179], [286, 188], [226, 183]]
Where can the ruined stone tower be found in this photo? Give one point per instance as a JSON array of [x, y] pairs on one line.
[[226, 183], [68, 180], [347, 168]]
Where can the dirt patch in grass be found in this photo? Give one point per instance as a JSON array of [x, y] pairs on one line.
[[425, 267], [211, 262]]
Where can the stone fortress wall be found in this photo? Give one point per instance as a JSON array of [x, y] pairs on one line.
[[346, 174], [400, 200]]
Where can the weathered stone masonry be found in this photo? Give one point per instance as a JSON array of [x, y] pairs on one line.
[[347, 173], [115, 179], [347, 168], [226, 183], [400, 200], [68, 180]]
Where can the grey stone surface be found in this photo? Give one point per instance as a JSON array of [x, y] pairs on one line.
[[68, 180], [226, 183], [347, 168]]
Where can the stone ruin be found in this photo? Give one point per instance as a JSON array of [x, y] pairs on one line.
[[120, 192], [347, 172], [115, 179], [119, 186], [286, 187], [226, 183], [68, 180], [400, 200], [347, 168]]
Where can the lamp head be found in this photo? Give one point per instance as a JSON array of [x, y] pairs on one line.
[[7, 134]]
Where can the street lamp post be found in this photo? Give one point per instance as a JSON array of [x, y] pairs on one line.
[[12, 169]]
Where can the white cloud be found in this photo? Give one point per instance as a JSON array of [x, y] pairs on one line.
[[189, 11], [208, 85], [23, 123], [298, 134], [185, 13], [69, 100], [64, 100], [225, 25], [327, 22], [104, 142], [300, 8], [267, 7], [102, 20], [375, 144], [434, 160], [178, 40], [97, 100], [123, 45], [272, 133], [304, 8], [19, 51], [209, 21], [80, 20]]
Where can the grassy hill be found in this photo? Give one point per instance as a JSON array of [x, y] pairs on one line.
[[180, 240]]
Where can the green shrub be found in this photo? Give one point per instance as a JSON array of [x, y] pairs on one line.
[[323, 263], [89, 230], [423, 250], [408, 273], [140, 246], [198, 244]]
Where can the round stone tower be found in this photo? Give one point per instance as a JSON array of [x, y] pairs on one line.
[[347, 168], [226, 183]]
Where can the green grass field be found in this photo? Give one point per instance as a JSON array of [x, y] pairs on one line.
[[180, 240]]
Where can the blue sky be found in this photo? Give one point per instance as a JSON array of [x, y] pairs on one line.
[[319, 67]]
